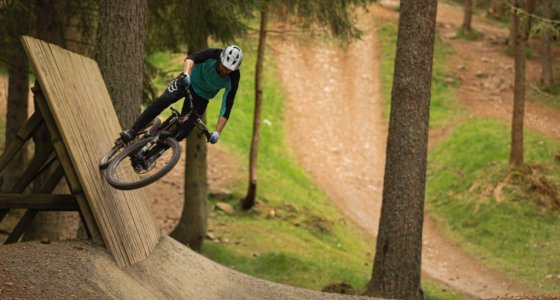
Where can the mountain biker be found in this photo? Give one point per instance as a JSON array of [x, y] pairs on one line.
[[205, 73]]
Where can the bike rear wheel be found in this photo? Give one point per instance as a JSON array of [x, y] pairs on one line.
[[120, 165]]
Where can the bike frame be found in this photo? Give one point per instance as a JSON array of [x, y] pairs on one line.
[[171, 127]]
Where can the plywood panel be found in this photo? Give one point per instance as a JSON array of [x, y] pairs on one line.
[[85, 117]]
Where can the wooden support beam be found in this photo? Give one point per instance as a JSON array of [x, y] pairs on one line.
[[56, 176], [34, 169], [64, 159], [23, 223], [3, 213], [30, 126], [23, 135], [53, 181], [47, 202], [35, 203]]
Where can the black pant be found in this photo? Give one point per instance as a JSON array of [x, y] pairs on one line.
[[173, 93]]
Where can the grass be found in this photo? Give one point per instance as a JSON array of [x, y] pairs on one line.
[[307, 242], [529, 52], [168, 65], [548, 95], [508, 232], [514, 236], [511, 234], [471, 35]]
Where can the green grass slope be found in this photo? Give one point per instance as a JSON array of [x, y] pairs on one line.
[[295, 235], [509, 219]]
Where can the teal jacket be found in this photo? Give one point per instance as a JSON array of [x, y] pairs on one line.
[[207, 82]]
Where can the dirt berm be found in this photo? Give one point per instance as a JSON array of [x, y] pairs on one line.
[[78, 269]]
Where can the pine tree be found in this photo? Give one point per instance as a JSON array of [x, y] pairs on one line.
[[397, 264]]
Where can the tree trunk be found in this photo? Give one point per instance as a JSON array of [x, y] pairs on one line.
[[467, 18], [193, 224], [547, 58], [249, 200], [516, 155], [120, 54], [397, 264], [512, 30], [530, 8], [496, 9], [18, 93]]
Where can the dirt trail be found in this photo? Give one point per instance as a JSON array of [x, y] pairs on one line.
[[336, 128], [486, 74]]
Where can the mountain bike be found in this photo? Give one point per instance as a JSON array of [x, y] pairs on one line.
[[144, 155]]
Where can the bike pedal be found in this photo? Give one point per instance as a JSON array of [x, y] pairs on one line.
[[137, 168]]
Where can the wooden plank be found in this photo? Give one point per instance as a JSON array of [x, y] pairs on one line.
[[3, 213], [23, 223], [54, 179], [48, 202], [33, 169], [23, 135], [59, 203], [83, 113], [30, 126]]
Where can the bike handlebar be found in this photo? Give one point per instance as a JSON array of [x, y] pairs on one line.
[[204, 129]]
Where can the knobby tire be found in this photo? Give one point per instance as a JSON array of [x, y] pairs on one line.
[[106, 160], [111, 169]]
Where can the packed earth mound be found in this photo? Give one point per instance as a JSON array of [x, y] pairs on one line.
[[80, 270]]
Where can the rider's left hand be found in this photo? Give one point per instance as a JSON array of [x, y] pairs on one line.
[[214, 137]]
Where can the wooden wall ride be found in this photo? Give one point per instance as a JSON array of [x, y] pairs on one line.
[[83, 125]]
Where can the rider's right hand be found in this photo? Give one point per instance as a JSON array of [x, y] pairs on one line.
[[185, 79], [214, 137]]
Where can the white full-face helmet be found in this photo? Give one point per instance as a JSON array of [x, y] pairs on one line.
[[231, 57]]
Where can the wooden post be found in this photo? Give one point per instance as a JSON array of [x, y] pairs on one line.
[[21, 226]]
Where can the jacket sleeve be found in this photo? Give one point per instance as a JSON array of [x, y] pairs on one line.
[[229, 94]]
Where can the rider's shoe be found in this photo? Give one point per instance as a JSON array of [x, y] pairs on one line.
[[128, 135]]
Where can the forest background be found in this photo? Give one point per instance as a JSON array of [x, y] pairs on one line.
[[495, 206]]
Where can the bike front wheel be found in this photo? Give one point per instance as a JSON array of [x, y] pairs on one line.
[[121, 167], [106, 159]]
